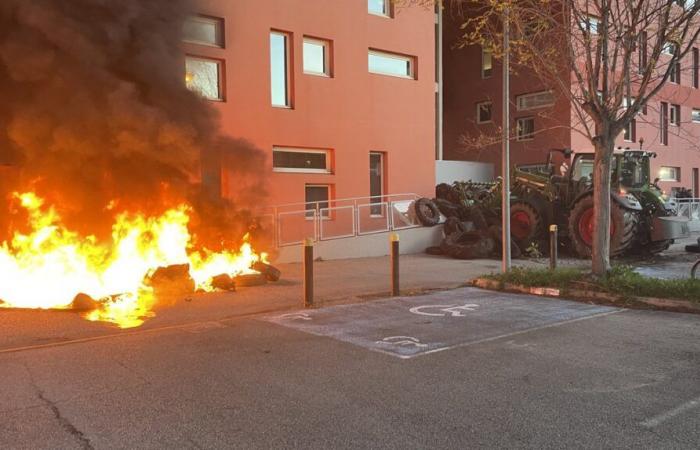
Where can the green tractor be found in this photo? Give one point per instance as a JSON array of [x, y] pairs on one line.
[[561, 192]]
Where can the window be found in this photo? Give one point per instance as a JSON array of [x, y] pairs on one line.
[[676, 115], [643, 52], [486, 63], [663, 123], [317, 57], [376, 182], [630, 132], [696, 115], [675, 73], [279, 69], [670, 173], [300, 160], [534, 101], [669, 48], [317, 197], [483, 112], [391, 64], [696, 68], [590, 24], [204, 31], [525, 128], [203, 76], [379, 7]]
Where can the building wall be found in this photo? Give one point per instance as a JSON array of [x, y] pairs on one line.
[[464, 88], [351, 113]]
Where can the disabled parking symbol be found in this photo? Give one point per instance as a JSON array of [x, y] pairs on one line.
[[444, 310]]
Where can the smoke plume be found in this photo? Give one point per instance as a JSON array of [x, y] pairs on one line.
[[95, 116]]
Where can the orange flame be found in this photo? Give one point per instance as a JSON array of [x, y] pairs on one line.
[[47, 267]]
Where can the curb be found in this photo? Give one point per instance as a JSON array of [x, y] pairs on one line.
[[657, 303]]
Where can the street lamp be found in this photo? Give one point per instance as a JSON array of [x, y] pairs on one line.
[[505, 158]]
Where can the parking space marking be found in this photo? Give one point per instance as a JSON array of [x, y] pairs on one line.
[[668, 415], [407, 327]]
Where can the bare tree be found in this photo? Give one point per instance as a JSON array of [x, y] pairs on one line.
[[608, 58]]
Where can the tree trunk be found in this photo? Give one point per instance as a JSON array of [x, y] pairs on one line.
[[604, 148]]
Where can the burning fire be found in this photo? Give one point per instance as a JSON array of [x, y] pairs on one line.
[[47, 267]]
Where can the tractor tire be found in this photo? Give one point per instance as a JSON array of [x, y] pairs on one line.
[[447, 208], [495, 232], [474, 215], [468, 245], [444, 191], [435, 251], [427, 212], [526, 224], [654, 248], [623, 228], [453, 225]]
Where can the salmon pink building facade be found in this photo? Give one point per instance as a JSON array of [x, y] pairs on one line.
[[340, 95]]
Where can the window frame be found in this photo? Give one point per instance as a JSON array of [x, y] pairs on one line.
[[518, 128], [484, 54], [220, 74], [478, 112], [220, 27], [696, 68], [629, 133], [398, 56], [388, 10], [677, 173], [327, 56], [519, 99], [288, 48], [695, 113], [328, 200], [382, 174], [674, 115], [326, 152], [663, 123]]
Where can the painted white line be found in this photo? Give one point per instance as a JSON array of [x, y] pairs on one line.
[[661, 418], [515, 333]]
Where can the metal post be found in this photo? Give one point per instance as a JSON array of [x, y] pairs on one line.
[[394, 242], [308, 272], [553, 247], [505, 159]]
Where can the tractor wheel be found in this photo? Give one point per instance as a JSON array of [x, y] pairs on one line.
[[447, 208], [427, 212], [623, 228], [526, 224], [654, 248]]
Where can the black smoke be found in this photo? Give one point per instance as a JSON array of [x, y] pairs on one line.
[[95, 117]]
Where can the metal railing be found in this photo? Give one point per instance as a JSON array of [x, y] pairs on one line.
[[341, 218], [689, 208]]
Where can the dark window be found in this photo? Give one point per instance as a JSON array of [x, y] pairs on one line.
[[376, 182], [663, 123], [525, 129], [317, 197], [287, 160], [642, 50], [696, 68], [631, 131]]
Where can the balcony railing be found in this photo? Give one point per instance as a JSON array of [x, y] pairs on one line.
[[689, 207], [341, 218]]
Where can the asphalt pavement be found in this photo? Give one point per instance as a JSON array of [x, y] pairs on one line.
[[497, 371]]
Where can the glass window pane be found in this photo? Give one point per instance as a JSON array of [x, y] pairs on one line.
[[278, 69], [316, 195], [203, 30], [282, 159], [376, 184], [388, 64], [315, 57], [202, 76], [377, 7]]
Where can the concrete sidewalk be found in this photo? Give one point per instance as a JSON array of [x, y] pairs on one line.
[[337, 281]]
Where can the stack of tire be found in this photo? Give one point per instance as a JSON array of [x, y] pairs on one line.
[[470, 232]]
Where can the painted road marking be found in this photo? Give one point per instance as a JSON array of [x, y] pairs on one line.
[[402, 341], [407, 327], [453, 310], [661, 418]]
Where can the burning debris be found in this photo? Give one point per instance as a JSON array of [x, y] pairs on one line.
[[112, 201]]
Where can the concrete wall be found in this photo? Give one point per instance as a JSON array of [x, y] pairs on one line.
[[351, 113], [414, 240], [451, 171]]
